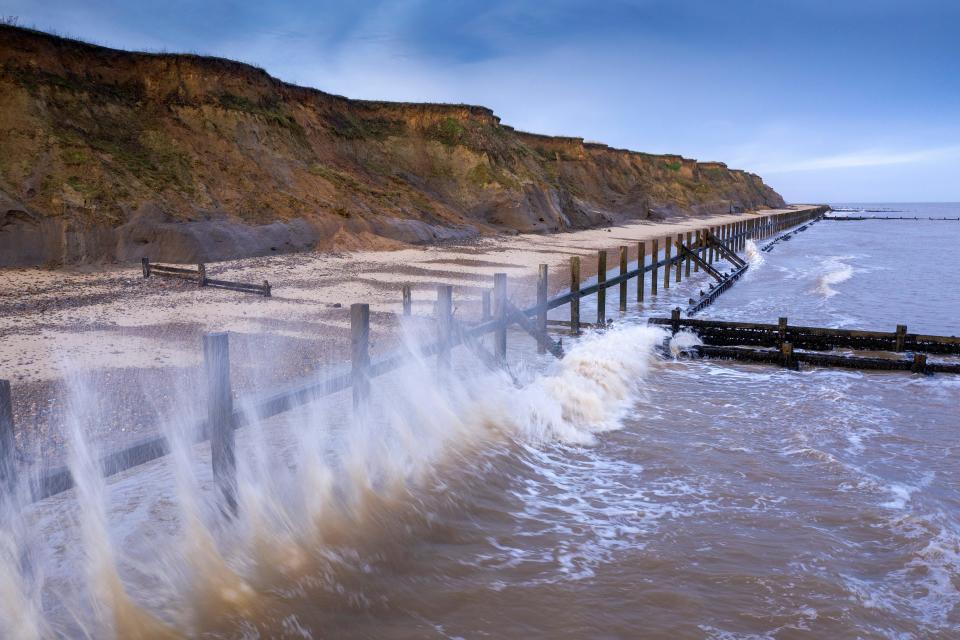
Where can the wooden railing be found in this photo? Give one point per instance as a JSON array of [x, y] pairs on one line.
[[200, 277]]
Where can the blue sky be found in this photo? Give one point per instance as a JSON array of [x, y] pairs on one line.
[[829, 101]]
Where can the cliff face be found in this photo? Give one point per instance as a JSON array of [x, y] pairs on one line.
[[112, 155]]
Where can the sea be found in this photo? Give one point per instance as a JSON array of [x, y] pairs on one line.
[[621, 492]]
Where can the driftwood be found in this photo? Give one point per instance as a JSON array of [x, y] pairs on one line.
[[199, 275]]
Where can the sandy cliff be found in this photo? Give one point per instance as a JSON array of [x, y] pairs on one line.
[[112, 155]]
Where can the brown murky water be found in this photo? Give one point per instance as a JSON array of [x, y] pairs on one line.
[[612, 495]]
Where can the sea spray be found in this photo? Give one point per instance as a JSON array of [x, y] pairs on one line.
[[754, 255], [835, 272], [320, 484]]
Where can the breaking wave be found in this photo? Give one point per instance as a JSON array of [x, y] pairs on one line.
[[836, 271]]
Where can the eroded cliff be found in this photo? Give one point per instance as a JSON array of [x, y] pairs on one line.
[[113, 155]]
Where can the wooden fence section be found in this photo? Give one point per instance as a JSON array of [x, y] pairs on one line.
[[717, 333], [775, 343], [499, 314], [852, 218], [200, 276]]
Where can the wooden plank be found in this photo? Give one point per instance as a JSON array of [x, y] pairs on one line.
[[216, 355], [575, 294], [624, 252], [360, 353], [641, 267], [444, 325], [407, 300], [500, 314], [601, 288], [655, 260], [8, 442], [542, 295], [668, 242]]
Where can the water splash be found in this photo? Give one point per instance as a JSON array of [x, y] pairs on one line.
[[836, 271], [754, 254], [321, 491]]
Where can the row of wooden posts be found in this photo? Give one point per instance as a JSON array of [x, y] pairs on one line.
[[200, 276], [753, 341], [498, 315]]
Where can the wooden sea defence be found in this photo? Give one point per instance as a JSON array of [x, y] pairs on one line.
[[704, 249], [777, 343], [199, 275]]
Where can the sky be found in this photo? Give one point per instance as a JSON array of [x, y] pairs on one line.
[[828, 100]]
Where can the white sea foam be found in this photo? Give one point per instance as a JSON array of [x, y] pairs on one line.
[[835, 271]]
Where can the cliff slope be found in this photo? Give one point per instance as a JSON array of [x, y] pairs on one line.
[[113, 155]]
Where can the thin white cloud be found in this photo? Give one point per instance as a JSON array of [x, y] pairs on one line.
[[867, 158]]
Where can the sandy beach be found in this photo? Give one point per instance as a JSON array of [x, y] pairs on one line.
[[126, 335]]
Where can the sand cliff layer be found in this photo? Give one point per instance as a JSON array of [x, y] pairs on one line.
[[112, 155]]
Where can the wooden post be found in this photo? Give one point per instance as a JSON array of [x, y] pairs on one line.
[[675, 319], [575, 295], [444, 324], [699, 249], [686, 272], [8, 441], [901, 338], [667, 262], [542, 295], [601, 288], [202, 280], [360, 352], [919, 363], [641, 269], [266, 289], [407, 299], [679, 259], [486, 314], [145, 263], [786, 355], [781, 331], [623, 283], [655, 259], [500, 313], [216, 355]]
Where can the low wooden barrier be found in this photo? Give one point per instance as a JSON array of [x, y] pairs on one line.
[[719, 333], [200, 277], [752, 341], [915, 218], [498, 315]]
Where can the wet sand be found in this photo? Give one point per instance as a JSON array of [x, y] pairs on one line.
[[109, 326]]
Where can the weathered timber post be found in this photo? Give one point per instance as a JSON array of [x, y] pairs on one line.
[[407, 300], [542, 295], [655, 259], [667, 262], [444, 324], [698, 243], [486, 314], [601, 287], [266, 289], [202, 280], [641, 269], [500, 313], [712, 231], [145, 263], [919, 363], [679, 258], [623, 282], [900, 338], [786, 355], [360, 352], [675, 320], [689, 260], [216, 355], [8, 441], [575, 295], [781, 331]]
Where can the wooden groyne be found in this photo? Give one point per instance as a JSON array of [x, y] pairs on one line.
[[914, 218], [778, 344], [700, 250], [199, 275]]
